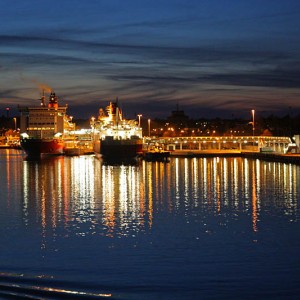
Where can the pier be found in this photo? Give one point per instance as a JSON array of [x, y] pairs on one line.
[[268, 156], [268, 148], [221, 143]]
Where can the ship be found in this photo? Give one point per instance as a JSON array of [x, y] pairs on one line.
[[42, 127], [116, 139]]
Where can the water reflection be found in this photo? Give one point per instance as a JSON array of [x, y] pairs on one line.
[[10, 179], [81, 196], [123, 201]]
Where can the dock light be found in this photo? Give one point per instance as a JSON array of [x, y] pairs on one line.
[[253, 127], [93, 122], [139, 116], [15, 122], [149, 128]]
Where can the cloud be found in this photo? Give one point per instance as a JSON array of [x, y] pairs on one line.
[[276, 79], [216, 76]]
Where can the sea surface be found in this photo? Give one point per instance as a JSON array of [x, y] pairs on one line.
[[193, 228]]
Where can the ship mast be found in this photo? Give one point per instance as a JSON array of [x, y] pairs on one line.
[[43, 99]]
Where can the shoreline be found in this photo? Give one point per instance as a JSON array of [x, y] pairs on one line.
[[267, 156], [293, 158]]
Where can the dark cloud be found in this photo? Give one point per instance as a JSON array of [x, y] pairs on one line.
[[203, 54], [41, 59], [276, 79], [225, 57], [7, 93]]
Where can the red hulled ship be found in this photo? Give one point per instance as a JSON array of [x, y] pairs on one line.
[[42, 127]]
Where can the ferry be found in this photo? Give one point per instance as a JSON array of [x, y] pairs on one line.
[[42, 127], [116, 139]]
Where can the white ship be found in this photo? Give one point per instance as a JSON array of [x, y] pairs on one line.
[[115, 138]]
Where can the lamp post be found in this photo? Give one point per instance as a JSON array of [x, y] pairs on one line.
[[139, 116], [15, 123], [93, 127], [149, 129], [253, 127]]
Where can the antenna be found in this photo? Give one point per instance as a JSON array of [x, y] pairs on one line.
[[43, 98]]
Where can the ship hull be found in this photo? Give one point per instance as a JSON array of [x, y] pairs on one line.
[[121, 151], [37, 147]]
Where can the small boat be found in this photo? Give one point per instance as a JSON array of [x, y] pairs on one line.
[[73, 151], [157, 155], [78, 148]]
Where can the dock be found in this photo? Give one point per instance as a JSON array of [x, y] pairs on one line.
[[293, 158], [274, 157]]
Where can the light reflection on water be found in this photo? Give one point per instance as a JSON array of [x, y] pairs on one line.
[[67, 191], [79, 205]]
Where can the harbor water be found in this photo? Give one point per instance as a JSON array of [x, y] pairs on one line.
[[192, 228]]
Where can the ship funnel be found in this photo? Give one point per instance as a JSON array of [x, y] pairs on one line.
[[53, 101]]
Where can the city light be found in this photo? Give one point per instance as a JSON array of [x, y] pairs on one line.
[[139, 116], [149, 128], [253, 127]]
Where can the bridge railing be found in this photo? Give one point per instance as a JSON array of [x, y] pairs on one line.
[[220, 143]]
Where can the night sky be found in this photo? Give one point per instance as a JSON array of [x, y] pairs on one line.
[[211, 58]]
